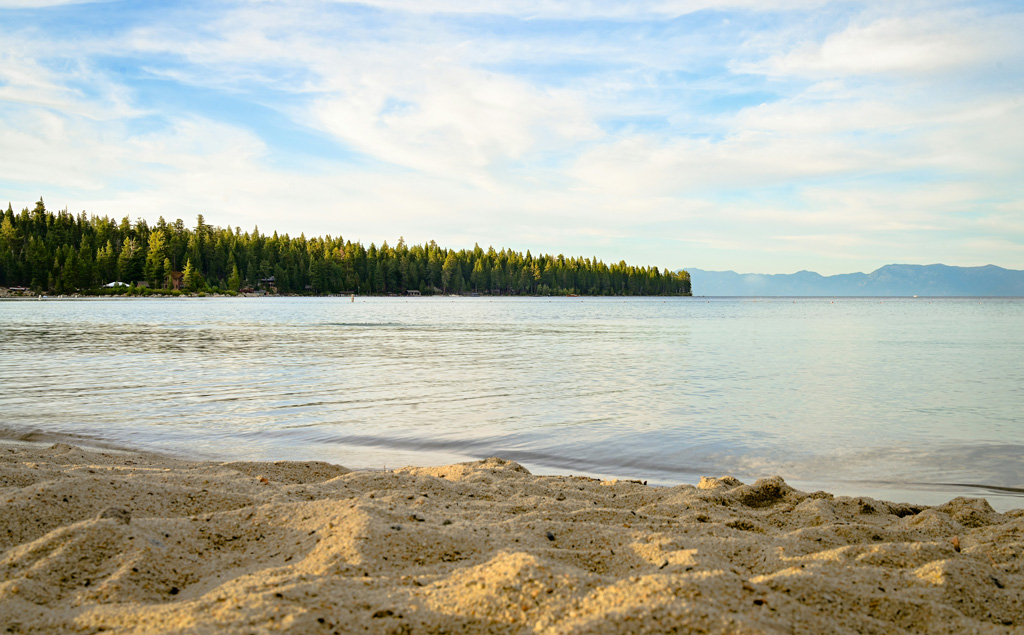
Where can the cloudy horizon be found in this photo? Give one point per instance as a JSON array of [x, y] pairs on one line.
[[766, 137]]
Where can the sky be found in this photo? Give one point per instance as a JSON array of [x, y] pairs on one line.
[[762, 136]]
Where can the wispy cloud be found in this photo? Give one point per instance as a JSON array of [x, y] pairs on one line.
[[912, 45], [768, 136], [38, 4]]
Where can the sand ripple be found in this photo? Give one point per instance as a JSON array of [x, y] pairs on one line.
[[130, 542]]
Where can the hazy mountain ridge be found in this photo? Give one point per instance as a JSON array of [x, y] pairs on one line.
[[890, 280]]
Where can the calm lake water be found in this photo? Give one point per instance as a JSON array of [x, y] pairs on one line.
[[908, 399]]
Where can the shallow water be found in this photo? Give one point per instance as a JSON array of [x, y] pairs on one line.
[[908, 399]]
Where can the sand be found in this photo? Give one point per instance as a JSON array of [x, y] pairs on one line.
[[94, 540]]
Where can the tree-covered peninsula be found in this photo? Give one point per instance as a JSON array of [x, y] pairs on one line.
[[64, 253]]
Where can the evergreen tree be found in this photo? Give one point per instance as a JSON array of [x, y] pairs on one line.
[[235, 281], [66, 252], [191, 278], [478, 278], [106, 263], [168, 279], [155, 257], [448, 272], [130, 261]]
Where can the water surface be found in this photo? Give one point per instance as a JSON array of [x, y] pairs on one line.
[[909, 399]]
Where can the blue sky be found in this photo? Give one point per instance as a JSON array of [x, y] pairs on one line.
[[766, 136]]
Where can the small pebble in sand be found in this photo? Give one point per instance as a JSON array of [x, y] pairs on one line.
[[118, 514]]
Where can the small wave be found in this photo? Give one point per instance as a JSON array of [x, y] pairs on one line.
[[511, 449], [995, 489], [363, 324], [81, 440]]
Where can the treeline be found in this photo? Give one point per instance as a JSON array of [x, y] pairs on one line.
[[62, 253]]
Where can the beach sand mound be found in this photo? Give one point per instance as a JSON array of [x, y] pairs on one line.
[[96, 541]]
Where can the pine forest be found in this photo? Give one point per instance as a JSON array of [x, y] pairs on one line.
[[47, 252]]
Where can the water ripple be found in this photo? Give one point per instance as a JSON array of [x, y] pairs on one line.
[[905, 395]]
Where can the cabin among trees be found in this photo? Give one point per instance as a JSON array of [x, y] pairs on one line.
[[62, 253]]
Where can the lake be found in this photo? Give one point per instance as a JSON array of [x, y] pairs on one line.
[[911, 399]]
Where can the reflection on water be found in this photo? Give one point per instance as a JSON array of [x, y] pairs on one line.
[[910, 398]]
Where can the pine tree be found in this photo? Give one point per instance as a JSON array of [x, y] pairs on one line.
[[235, 281], [129, 261], [106, 263], [448, 271], [168, 280], [191, 278], [62, 250], [155, 257]]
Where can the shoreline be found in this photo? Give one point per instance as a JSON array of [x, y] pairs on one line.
[[130, 542], [344, 296], [923, 494]]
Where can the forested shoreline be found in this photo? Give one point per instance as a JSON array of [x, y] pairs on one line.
[[59, 252]]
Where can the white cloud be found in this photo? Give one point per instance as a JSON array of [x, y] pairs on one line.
[[865, 149], [25, 82], [38, 4], [419, 103], [743, 160], [450, 121], [900, 45], [551, 9]]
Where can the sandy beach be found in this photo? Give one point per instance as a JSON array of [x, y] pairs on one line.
[[98, 540]]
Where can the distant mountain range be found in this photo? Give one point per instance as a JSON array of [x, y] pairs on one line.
[[890, 280]]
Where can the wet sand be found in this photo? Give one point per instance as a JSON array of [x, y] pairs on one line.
[[96, 540]]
